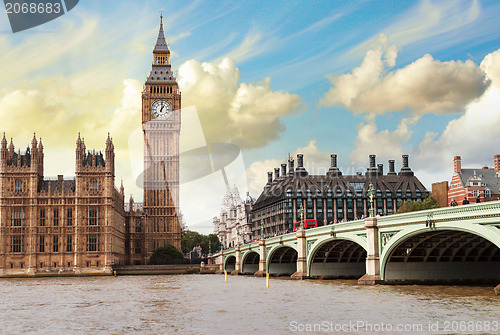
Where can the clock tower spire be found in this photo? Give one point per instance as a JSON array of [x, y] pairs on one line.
[[161, 123]]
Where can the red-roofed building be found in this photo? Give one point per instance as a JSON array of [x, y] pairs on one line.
[[471, 184]]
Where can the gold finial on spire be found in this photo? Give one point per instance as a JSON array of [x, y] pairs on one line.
[[161, 14]]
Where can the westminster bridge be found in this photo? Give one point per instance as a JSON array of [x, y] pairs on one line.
[[446, 244]]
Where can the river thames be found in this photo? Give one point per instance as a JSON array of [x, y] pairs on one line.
[[205, 304]]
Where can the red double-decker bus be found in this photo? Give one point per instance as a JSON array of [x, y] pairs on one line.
[[308, 223]]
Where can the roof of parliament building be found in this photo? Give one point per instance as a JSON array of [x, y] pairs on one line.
[[335, 184]]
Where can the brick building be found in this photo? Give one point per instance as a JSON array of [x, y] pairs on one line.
[[59, 225], [471, 184], [440, 193], [332, 197]]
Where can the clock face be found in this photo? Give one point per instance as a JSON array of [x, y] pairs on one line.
[[161, 109]]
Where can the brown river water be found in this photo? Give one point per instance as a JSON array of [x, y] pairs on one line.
[[206, 304]]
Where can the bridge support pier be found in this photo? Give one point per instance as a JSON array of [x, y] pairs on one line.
[[237, 265], [262, 260], [302, 256], [372, 276]]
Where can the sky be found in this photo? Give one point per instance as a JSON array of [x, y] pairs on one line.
[[272, 78]]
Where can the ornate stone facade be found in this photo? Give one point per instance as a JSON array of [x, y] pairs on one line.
[[59, 225], [81, 225], [161, 124], [234, 226]]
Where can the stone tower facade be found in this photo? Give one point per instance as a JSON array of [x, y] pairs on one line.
[[161, 124], [62, 226]]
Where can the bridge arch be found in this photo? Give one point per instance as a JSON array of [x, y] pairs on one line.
[[462, 251], [337, 257], [250, 262], [230, 263], [282, 260]]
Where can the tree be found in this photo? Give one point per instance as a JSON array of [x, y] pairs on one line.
[[167, 254], [412, 206], [208, 243], [189, 240]]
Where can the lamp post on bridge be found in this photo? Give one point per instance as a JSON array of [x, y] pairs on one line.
[[261, 229], [301, 214], [371, 192]]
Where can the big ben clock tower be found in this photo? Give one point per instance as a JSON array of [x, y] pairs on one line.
[[161, 124]]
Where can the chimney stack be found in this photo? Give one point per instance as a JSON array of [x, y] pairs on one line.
[[405, 170], [283, 170], [457, 164], [333, 171], [290, 165], [380, 169], [372, 170], [391, 167], [300, 161], [269, 177], [276, 173], [405, 161], [372, 161], [301, 171], [333, 160]]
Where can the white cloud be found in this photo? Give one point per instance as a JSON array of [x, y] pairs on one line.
[[245, 114], [491, 66], [384, 144], [316, 161], [424, 86], [474, 135], [432, 18]]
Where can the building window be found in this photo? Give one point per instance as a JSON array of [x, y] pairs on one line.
[[93, 187], [42, 244], [56, 217], [138, 227], [127, 225], [17, 217], [69, 217], [92, 242], [389, 203], [17, 243], [475, 193], [93, 219], [18, 186], [55, 244], [487, 193], [69, 243], [42, 217], [137, 247]]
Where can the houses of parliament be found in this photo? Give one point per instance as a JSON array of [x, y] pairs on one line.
[[83, 225]]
